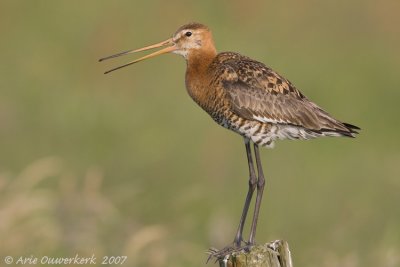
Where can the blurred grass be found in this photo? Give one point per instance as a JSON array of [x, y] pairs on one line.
[[126, 163]]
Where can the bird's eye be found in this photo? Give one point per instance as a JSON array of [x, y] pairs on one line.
[[188, 34]]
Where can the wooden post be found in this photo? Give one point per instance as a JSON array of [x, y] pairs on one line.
[[273, 254]]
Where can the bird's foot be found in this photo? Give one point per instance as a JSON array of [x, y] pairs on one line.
[[223, 254]]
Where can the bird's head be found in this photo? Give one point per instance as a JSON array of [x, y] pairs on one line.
[[190, 39]]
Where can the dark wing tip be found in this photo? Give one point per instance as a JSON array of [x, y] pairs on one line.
[[353, 130], [351, 126], [349, 131]]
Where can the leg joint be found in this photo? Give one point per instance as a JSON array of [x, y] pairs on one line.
[[260, 182], [252, 183]]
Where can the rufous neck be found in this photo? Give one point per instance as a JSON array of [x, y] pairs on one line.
[[200, 60]]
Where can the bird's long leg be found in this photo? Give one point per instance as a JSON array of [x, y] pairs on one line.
[[252, 187], [260, 189]]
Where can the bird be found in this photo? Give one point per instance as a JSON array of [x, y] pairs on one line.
[[248, 98]]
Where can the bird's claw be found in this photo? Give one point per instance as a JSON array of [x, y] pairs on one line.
[[223, 254]]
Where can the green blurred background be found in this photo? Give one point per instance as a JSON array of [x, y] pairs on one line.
[[127, 164]]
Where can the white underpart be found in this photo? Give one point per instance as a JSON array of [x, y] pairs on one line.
[[183, 53], [285, 131], [280, 132], [265, 119]]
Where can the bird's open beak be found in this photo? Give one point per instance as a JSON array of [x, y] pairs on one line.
[[170, 47]]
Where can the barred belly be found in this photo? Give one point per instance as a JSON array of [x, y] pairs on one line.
[[264, 134]]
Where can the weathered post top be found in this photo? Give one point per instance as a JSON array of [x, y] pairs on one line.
[[272, 254]]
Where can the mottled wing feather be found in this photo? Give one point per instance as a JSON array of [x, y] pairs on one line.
[[258, 93]]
